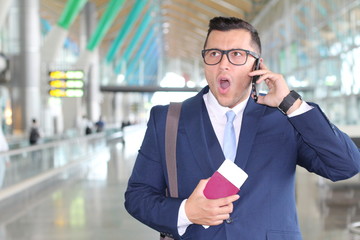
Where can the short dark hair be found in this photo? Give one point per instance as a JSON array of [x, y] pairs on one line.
[[231, 23]]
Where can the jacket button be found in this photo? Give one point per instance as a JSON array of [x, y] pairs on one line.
[[229, 220]]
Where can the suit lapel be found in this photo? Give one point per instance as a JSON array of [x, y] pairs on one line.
[[249, 126], [216, 155], [202, 138]]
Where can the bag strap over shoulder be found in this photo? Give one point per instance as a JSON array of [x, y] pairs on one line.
[[172, 122]]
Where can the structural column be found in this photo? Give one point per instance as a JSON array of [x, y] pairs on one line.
[[92, 83], [4, 8], [27, 99]]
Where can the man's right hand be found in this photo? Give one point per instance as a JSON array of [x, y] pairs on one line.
[[203, 211]]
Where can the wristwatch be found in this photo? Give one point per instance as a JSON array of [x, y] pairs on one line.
[[288, 101]]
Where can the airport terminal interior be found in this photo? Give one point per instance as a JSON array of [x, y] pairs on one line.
[[86, 73]]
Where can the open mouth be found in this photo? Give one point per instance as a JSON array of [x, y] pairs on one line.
[[224, 83]]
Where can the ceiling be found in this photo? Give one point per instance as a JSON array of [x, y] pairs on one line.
[[182, 24]]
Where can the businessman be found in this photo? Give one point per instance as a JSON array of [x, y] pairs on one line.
[[274, 133]]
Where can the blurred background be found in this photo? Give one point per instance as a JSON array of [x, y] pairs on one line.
[[89, 71]]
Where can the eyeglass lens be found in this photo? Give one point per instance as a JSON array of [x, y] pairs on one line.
[[236, 56]]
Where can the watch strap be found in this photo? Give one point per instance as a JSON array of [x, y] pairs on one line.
[[288, 101]]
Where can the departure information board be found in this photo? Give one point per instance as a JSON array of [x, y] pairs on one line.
[[66, 83]]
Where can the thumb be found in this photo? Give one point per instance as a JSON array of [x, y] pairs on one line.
[[261, 100], [201, 185]]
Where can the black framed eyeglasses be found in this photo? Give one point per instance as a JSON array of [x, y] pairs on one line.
[[236, 56]]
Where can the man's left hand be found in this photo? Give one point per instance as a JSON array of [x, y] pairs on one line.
[[278, 88]]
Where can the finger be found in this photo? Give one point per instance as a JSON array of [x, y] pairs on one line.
[[216, 222], [223, 217], [227, 200], [269, 76], [216, 212], [258, 72], [260, 99], [218, 219], [227, 209], [202, 183]]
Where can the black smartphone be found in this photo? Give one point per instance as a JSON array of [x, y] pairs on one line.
[[254, 79]]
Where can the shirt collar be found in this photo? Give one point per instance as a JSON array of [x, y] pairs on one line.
[[217, 108]]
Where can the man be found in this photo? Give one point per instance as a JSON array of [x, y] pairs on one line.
[[100, 125], [270, 143], [34, 132]]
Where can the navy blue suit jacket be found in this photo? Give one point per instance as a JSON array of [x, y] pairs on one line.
[[270, 146]]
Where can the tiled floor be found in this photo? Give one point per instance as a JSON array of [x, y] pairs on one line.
[[326, 209], [92, 207]]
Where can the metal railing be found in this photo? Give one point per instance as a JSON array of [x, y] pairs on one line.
[[22, 168]]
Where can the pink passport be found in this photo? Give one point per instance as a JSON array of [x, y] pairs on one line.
[[226, 181]]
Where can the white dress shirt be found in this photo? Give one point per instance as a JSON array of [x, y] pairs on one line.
[[217, 114]]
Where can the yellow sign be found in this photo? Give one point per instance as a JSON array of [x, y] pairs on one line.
[[59, 83], [75, 74], [66, 92], [66, 83]]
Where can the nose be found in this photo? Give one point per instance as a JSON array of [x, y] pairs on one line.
[[224, 64]]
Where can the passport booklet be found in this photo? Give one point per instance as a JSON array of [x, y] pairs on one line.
[[226, 181]]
